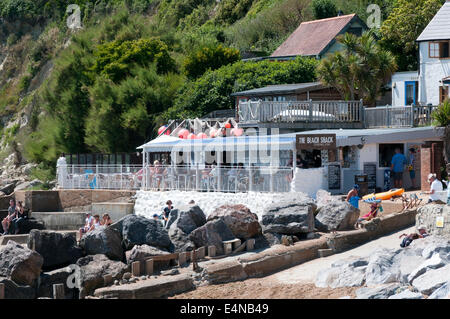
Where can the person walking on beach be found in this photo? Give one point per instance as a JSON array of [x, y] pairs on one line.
[[398, 163]]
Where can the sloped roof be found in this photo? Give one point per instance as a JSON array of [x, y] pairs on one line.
[[312, 37], [281, 89], [439, 26]]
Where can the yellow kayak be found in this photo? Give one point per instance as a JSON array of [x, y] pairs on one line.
[[385, 195]]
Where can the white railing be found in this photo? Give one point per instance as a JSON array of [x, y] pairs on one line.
[[100, 176], [300, 111], [399, 116], [184, 178]]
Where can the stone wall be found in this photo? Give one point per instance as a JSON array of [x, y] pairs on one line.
[[427, 216], [62, 200]]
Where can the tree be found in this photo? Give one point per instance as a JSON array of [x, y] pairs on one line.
[[359, 70], [404, 25], [324, 9], [209, 58], [441, 117]]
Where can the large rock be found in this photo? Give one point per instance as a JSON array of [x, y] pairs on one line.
[[187, 218], [8, 189], [104, 240], [432, 280], [432, 263], [94, 268], [241, 221], [426, 215], [58, 249], [407, 294], [442, 293], [15, 291], [213, 233], [349, 272], [289, 217], [382, 268], [28, 224], [181, 223], [58, 276], [336, 215], [138, 230], [20, 264], [143, 252], [381, 292]]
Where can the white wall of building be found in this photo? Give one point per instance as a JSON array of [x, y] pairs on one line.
[[432, 70], [398, 86]]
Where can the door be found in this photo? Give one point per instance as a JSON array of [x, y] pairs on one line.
[[410, 92]]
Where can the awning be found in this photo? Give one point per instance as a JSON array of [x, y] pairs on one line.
[[446, 80]]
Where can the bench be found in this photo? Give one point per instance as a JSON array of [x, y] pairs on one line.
[[230, 245]]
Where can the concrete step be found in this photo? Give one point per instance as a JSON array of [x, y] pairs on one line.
[[23, 239], [325, 252], [61, 220]]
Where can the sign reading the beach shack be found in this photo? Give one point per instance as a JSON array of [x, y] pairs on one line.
[[316, 142]]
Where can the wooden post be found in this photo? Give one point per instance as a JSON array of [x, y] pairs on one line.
[[250, 244], [58, 291], [149, 266], [2, 291], [212, 251], [194, 260], [200, 253], [136, 268], [182, 258], [107, 280]]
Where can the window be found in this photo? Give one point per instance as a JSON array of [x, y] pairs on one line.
[[439, 50], [443, 93], [386, 151]]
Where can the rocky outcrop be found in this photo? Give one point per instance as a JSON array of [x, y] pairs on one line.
[[241, 221], [57, 249], [337, 215], [20, 264], [143, 252], [138, 230], [419, 270], [15, 291], [58, 276], [289, 217], [28, 224], [93, 268], [427, 214], [181, 223], [104, 240], [213, 233]]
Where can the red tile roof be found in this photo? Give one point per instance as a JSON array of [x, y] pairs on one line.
[[312, 37]]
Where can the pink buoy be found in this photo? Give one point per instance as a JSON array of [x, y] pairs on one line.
[[167, 132], [238, 131], [161, 129], [191, 136], [202, 135], [212, 133], [183, 133], [228, 125]]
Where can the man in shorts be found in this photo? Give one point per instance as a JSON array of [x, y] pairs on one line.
[[409, 238], [398, 163]]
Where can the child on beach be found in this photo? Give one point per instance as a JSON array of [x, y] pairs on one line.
[[374, 209]]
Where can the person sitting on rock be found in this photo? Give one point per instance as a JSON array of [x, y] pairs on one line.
[[409, 238], [106, 220], [87, 225], [12, 213], [353, 196], [96, 223], [20, 216], [374, 208]]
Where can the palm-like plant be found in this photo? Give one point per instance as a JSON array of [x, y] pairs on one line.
[[441, 117], [359, 70]]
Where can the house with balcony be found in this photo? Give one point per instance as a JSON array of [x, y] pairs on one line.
[[429, 86]]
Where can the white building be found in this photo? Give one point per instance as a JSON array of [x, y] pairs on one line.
[[429, 85]]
